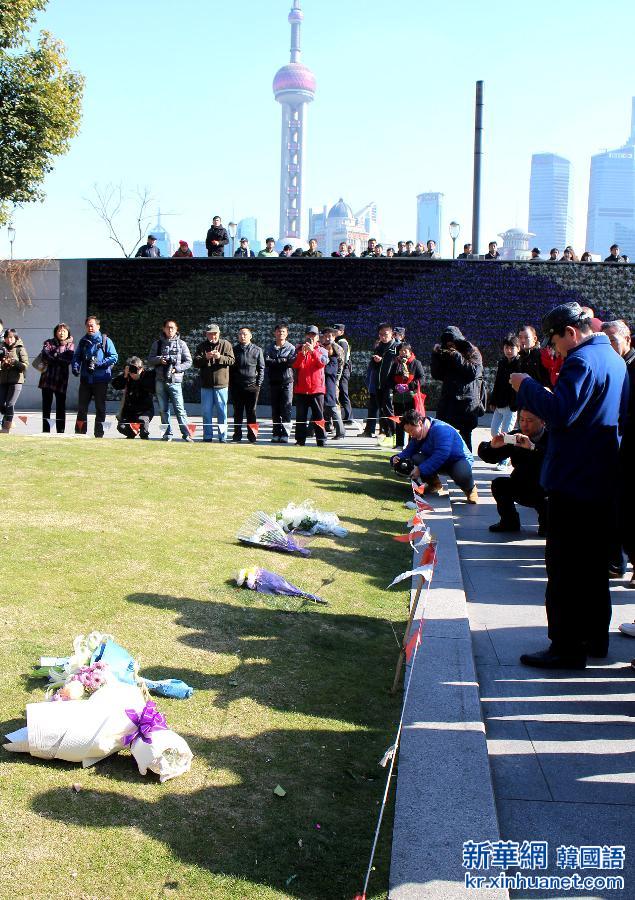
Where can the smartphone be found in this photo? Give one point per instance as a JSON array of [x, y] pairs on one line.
[[509, 439]]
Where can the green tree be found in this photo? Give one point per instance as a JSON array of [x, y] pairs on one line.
[[40, 104]]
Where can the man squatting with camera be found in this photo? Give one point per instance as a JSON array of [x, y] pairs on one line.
[[435, 447]]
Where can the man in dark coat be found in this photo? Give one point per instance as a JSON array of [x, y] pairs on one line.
[[379, 383], [245, 380], [217, 238], [332, 374], [343, 395], [459, 366], [526, 455], [278, 363], [149, 250], [582, 415], [138, 385]]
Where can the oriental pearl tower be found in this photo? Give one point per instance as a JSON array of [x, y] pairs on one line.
[[293, 88]]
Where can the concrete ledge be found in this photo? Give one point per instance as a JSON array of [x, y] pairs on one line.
[[444, 784]]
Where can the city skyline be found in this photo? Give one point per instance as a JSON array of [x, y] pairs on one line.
[[209, 140], [550, 192]]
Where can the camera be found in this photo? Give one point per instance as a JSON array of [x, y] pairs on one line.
[[403, 467], [132, 370], [3, 352], [92, 364]]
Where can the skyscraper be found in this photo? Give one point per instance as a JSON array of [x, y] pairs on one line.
[[550, 203], [430, 217], [611, 215], [164, 242], [293, 87]]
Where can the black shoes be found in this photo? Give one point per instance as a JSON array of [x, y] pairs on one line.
[[505, 526], [552, 659]]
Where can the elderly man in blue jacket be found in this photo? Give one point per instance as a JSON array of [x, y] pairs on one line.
[[582, 414], [435, 447], [94, 357]]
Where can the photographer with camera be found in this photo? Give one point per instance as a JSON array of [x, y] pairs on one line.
[[93, 359], [138, 385], [459, 366], [13, 364], [525, 447], [170, 357], [435, 447]]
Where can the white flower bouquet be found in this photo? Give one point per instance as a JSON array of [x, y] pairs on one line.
[[306, 519]]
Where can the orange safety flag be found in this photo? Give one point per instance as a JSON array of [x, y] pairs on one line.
[[402, 538], [421, 504], [413, 642], [429, 555], [23, 419], [396, 419], [253, 426], [192, 429], [418, 488], [79, 424], [135, 426], [320, 422]]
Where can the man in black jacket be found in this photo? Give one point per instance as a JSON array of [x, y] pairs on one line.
[[217, 238], [278, 362], [344, 398], [458, 364], [245, 379], [526, 454], [149, 250], [380, 383], [137, 407]]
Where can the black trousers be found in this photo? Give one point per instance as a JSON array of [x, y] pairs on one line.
[[401, 408], [507, 492], [371, 416], [60, 410], [281, 404], [244, 402], [386, 410], [577, 598], [304, 403], [465, 427], [343, 396], [128, 415], [88, 392], [624, 542]]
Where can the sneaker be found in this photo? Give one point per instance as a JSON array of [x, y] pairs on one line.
[[628, 628], [615, 572], [631, 583], [349, 421], [472, 497], [275, 439], [167, 436], [386, 440], [283, 440], [502, 527], [188, 438]]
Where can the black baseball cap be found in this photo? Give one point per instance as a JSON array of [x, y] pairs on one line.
[[311, 329], [560, 316], [536, 250]]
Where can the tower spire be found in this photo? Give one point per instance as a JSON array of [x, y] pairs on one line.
[[295, 18]]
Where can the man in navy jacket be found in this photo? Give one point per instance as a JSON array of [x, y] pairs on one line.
[[435, 447], [93, 359], [582, 415]]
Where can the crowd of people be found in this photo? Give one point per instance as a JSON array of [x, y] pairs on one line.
[[218, 238]]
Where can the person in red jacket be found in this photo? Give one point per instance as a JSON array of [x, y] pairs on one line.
[[310, 388]]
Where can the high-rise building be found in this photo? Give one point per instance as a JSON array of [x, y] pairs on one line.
[[164, 242], [249, 228], [611, 214], [294, 88], [199, 249], [430, 218], [550, 201]]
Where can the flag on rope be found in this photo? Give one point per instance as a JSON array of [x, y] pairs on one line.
[[424, 571], [135, 426], [418, 488], [320, 422], [421, 504], [23, 419], [413, 641], [253, 427], [396, 419], [429, 554], [192, 429], [388, 755], [79, 425]]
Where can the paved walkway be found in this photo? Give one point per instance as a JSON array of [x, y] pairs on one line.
[[561, 745]]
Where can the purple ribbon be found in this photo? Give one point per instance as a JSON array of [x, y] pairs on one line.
[[147, 721]]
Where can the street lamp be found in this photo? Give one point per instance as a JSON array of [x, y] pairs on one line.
[[232, 233], [455, 230], [11, 234]]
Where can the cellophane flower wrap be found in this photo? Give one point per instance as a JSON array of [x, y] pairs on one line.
[[306, 519]]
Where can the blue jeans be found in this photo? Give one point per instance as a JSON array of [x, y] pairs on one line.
[[503, 420], [214, 399], [171, 395]]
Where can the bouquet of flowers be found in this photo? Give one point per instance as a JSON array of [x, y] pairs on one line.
[[261, 530], [306, 519], [265, 582]]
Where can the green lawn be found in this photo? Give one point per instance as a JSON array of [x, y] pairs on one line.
[[138, 540]]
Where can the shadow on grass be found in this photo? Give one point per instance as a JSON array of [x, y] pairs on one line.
[[331, 675]]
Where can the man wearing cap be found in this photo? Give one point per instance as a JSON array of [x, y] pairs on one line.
[[149, 250], [217, 238], [310, 387], [270, 251], [243, 251], [278, 363], [183, 251], [535, 254], [212, 358], [345, 400], [582, 415]]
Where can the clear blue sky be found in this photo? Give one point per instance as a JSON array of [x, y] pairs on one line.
[[178, 99]]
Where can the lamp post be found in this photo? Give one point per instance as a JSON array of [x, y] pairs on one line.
[[232, 234], [11, 234], [455, 230]]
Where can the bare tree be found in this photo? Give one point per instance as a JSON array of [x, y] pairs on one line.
[[118, 209]]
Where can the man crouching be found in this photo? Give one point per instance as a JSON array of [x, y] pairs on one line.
[[435, 448], [137, 407]]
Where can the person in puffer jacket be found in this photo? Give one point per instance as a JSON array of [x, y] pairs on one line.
[[13, 364], [459, 366], [310, 387], [93, 359]]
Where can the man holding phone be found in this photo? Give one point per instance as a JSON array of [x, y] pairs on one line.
[[525, 448]]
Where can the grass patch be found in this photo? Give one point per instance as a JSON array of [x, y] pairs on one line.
[[138, 540]]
